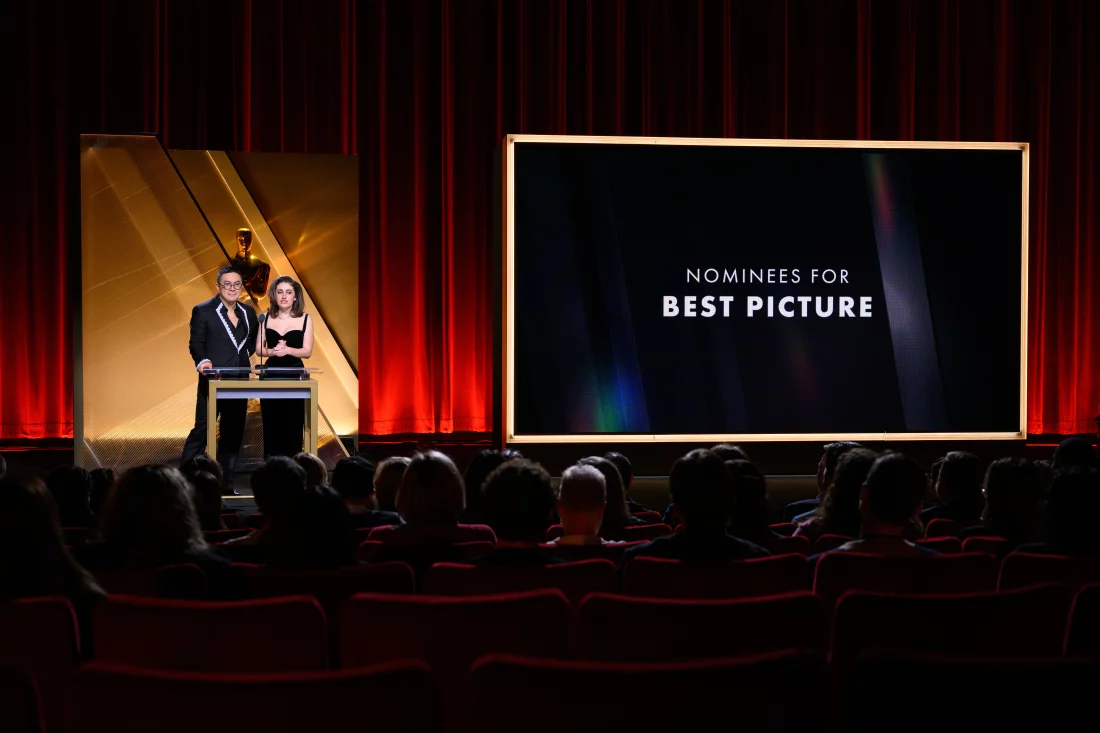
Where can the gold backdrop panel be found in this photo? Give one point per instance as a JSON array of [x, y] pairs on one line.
[[148, 256]]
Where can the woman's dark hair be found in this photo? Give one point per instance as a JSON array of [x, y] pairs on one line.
[[296, 308], [616, 513], [479, 468], [1013, 489], [839, 512], [432, 491], [208, 500], [201, 462], [387, 480], [750, 517], [33, 558], [151, 514]]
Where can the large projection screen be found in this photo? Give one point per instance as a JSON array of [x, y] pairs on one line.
[[674, 289]]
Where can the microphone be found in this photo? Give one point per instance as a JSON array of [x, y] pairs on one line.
[[261, 324]]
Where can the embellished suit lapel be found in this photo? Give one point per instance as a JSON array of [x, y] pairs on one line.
[[243, 314]]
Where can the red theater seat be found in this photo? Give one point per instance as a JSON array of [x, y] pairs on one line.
[[20, 710], [233, 521], [828, 542], [785, 529], [278, 635], [838, 572], [612, 627], [637, 532], [545, 696], [1022, 623], [330, 587], [787, 545], [399, 697], [217, 536], [167, 581], [974, 694], [39, 636], [650, 517], [996, 546], [1083, 638], [942, 528], [942, 545], [1021, 569], [574, 579], [661, 578], [450, 633]]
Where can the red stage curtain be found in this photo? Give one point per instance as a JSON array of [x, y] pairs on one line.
[[444, 81], [264, 76], [440, 82]]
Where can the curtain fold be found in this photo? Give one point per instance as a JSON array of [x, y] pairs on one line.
[[424, 90], [243, 75], [443, 82]]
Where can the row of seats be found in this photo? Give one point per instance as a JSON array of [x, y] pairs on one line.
[[644, 577], [510, 693], [293, 635]]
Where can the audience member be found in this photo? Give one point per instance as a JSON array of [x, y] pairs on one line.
[[839, 513], [387, 480], [958, 490], [481, 465], [1013, 490], [321, 533], [626, 472], [702, 490], [800, 511], [430, 500], [750, 518], [582, 495], [519, 500], [1073, 504], [201, 462], [315, 468], [616, 515], [730, 452], [890, 500], [102, 481], [33, 558], [277, 487], [1074, 452], [150, 520], [353, 481], [71, 488], [208, 500]]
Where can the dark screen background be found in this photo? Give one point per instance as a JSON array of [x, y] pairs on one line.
[[602, 232]]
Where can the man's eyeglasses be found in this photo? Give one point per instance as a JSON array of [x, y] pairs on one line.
[[232, 286]]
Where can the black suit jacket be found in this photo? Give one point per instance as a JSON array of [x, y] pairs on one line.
[[211, 335]]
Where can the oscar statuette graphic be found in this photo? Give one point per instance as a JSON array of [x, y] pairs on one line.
[[254, 271]]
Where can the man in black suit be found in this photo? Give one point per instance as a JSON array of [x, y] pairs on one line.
[[223, 334]]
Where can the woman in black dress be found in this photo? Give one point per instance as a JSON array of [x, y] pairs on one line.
[[285, 340]]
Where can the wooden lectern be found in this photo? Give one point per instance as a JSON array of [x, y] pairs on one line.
[[264, 389]]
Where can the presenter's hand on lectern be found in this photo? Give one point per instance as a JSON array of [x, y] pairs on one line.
[[204, 364]]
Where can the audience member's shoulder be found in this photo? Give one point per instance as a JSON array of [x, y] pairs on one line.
[[749, 549]]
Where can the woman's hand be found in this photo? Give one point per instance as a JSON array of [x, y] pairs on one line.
[[280, 349]]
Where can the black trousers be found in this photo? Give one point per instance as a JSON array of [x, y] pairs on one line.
[[283, 423], [232, 413]]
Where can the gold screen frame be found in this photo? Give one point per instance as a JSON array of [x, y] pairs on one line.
[[507, 173]]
